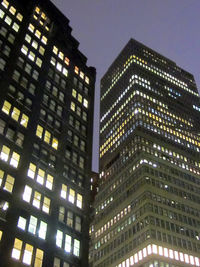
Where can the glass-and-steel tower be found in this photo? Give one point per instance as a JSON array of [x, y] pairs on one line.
[[147, 211], [46, 120]]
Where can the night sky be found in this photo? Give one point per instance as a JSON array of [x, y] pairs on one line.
[[103, 27]]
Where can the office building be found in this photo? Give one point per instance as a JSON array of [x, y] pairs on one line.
[[46, 120], [147, 210]]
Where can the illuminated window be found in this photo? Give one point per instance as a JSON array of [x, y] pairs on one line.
[[63, 193], [81, 75], [31, 170], [6, 107], [24, 120], [59, 237], [55, 50], [40, 176], [38, 34], [85, 103], [2, 13], [79, 201], [76, 250], [1, 176], [15, 159], [87, 80], [1, 235], [38, 258], [19, 17], [49, 182], [46, 204], [38, 62], [41, 50], [15, 114], [28, 251], [68, 241], [9, 183], [61, 55], [36, 199], [66, 61], [65, 72], [16, 252], [12, 10], [32, 225], [24, 50], [5, 3], [39, 131], [74, 93], [55, 143], [27, 193], [44, 40], [47, 137], [5, 153], [31, 27], [76, 70], [21, 223], [8, 20], [42, 230], [71, 197], [80, 98]]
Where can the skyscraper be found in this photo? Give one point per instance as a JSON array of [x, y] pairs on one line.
[[147, 210], [46, 120]]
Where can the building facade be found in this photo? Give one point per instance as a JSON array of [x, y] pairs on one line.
[[46, 123], [147, 210]]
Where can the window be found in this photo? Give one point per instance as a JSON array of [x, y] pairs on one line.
[[24, 120], [5, 153], [56, 262], [79, 201], [1, 234], [76, 250], [71, 196], [15, 114], [46, 204], [28, 251], [68, 241], [38, 258], [42, 230], [63, 193], [85, 103], [2, 64], [55, 143], [9, 183], [1, 176], [40, 176], [61, 215], [32, 225], [6, 107], [78, 223], [31, 170], [39, 131], [49, 182], [73, 107], [27, 193], [36, 199], [21, 223], [16, 252], [59, 237], [70, 218], [15, 159]]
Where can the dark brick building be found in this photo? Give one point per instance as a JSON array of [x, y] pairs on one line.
[[46, 121]]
